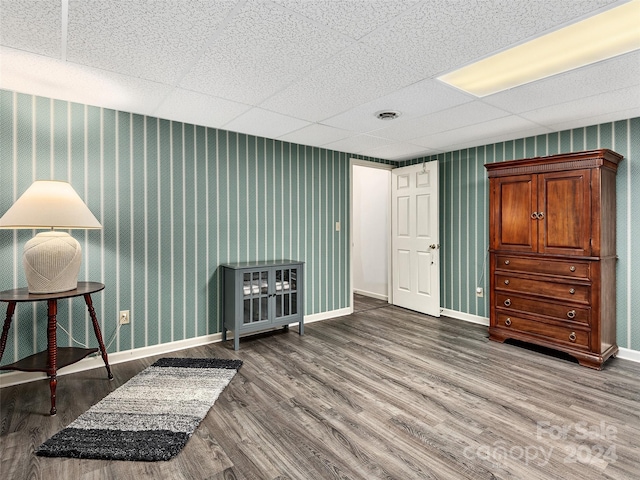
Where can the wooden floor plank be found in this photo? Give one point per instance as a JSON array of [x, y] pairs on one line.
[[382, 393]]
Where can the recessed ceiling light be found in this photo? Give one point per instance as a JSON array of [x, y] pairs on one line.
[[597, 38], [388, 115]]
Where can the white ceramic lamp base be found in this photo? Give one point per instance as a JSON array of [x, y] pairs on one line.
[[52, 262]]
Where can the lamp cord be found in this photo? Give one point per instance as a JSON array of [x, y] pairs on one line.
[[113, 336], [484, 268]]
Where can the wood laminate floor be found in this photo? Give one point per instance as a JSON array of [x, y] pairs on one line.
[[383, 393]]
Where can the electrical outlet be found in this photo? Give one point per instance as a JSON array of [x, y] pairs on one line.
[[124, 317], [479, 292]]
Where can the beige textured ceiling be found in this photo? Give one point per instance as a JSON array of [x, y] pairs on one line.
[[311, 71]]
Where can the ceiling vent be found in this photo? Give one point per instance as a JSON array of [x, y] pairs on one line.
[[387, 115]]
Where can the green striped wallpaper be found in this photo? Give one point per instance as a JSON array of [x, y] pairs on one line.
[[175, 201], [464, 215]]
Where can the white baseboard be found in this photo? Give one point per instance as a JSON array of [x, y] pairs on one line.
[[467, 317], [378, 296], [95, 361], [16, 378], [316, 317], [628, 354]]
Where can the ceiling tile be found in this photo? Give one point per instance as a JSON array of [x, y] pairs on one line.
[[354, 19], [399, 151], [31, 25], [22, 72], [471, 113], [353, 77], [316, 135], [358, 143], [146, 39], [475, 132], [613, 74], [498, 130], [586, 107], [632, 112], [198, 108], [262, 50], [441, 35], [416, 100], [263, 123]]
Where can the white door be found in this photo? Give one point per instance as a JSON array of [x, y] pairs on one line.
[[415, 238]]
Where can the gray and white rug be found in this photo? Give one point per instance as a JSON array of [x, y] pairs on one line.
[[150, 417]]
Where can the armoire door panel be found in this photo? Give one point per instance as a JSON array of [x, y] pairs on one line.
[[565, 207], [515, 197]]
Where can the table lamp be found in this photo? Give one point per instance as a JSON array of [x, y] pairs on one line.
[[51, 259]]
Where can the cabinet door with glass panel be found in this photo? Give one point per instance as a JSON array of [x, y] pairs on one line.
[[255, 297], [286, 292]]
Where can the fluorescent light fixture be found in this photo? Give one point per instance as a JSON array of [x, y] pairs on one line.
[[597, 38]]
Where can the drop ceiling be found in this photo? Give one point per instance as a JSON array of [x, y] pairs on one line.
[[313, 72]]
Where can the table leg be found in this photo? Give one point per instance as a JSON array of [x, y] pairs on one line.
[[11, 307], [96, 329], [52, 349]]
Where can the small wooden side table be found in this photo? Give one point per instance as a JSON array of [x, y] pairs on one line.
[[52, 358]]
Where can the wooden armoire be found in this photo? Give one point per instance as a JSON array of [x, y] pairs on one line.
[[552, 252]]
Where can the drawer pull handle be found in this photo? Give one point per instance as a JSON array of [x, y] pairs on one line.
[[572, 291], [507, 322], [534, 215], [507, 262], [572, 268], [572, 336], [571, 314], [507, 302], [506, 282]]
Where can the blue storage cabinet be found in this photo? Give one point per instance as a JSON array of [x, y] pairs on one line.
[[261, 295]]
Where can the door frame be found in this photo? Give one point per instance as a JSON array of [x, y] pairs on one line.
[[382, 166]]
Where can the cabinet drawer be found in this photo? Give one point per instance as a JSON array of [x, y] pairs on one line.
[[543, 266], [555, 333], [534, 305], [556, 290]]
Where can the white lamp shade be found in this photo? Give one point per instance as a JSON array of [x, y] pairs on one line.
[[49, 204]]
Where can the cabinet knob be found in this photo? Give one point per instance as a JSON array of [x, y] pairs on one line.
[[507, 262], [572, 336], [506, 282], [507, 302], [540, 215], [507, 322], [571, 314], [572, 268], [572, 291], [534, 215]]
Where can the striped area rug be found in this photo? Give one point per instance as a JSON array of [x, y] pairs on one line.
[[150, 417]]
